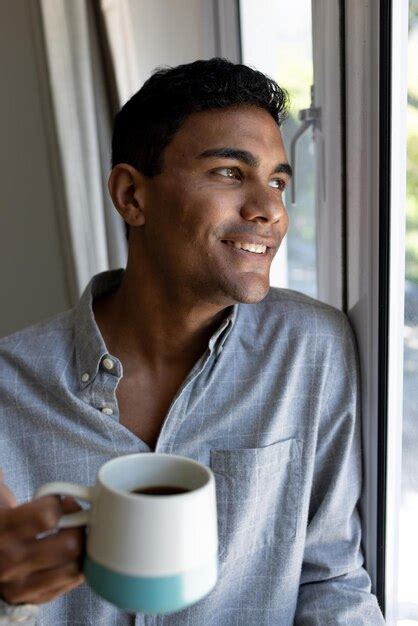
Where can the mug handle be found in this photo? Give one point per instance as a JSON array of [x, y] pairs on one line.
[[80, 518]]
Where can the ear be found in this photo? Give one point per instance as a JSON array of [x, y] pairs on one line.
[[126, 188]]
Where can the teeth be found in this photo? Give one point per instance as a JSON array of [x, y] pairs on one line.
[[251, 247]]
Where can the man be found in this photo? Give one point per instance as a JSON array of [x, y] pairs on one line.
[[189, 352]]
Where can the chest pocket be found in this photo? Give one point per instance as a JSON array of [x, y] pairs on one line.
[[257, 496]]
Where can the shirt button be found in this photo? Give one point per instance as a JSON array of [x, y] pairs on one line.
[[107, 410], [85, 377], [108, 363]]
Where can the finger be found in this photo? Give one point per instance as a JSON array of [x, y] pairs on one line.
[[47, 597], [69, 505], [7, 498], [30, 519], [42, 584], [34, 555]]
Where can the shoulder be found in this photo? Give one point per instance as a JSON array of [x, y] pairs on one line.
[[49, 338], [292, 323], [297, 313]]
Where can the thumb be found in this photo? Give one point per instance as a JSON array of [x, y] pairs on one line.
[[7, 498]]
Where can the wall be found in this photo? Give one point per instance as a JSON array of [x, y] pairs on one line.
[[184, 34], [32, 272]]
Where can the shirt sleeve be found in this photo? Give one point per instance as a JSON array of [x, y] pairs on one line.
[[334, 586], [23, 613]]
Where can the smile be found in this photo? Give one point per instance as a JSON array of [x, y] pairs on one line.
[[251, 253], [249, 247]]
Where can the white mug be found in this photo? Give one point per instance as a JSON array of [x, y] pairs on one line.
[[148, 553]]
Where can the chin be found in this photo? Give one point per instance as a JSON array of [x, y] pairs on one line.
[[249, 294]]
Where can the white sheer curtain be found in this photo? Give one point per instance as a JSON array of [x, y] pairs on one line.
[[83, 119], [119, 18]]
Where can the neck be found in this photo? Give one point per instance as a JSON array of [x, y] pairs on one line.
[[144, 325]]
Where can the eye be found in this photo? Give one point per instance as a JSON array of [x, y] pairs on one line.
[[232, 170], [281, 184]]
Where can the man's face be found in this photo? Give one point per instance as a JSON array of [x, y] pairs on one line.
[[205, 204]]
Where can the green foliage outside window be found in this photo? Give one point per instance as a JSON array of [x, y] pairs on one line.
[[411, 256]]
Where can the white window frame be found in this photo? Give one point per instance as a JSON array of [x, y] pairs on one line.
[[227, 30], [362, 232], [327, 57], [398, 165], [375, 111]]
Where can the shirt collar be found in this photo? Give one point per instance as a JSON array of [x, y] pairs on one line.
[[220, 335], [89, 344]]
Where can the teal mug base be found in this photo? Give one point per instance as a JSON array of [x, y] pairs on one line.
[[152, 595]]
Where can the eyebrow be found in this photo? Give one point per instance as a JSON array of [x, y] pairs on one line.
[[246, 157]]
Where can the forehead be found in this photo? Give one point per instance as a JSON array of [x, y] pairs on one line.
[[245, 127]]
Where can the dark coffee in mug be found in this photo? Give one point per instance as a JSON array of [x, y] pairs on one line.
[[160, 490]]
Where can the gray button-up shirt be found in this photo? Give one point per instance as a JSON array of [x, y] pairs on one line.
[[272, 406]]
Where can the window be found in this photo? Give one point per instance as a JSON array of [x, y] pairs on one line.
[[408, 518]]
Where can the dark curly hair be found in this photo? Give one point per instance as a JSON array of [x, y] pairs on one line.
[[148, 121]]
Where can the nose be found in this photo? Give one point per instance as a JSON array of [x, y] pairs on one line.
[[264, 206]]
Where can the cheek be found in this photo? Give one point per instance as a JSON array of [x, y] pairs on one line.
[[286, 222], [204, 213], [188, 211]]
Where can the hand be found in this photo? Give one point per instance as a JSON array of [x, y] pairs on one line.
[[37, 570]]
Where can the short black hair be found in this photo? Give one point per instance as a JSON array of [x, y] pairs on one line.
[[147, 122]]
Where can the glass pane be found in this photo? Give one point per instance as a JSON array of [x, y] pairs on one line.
[[408, 523], [277, 40]]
